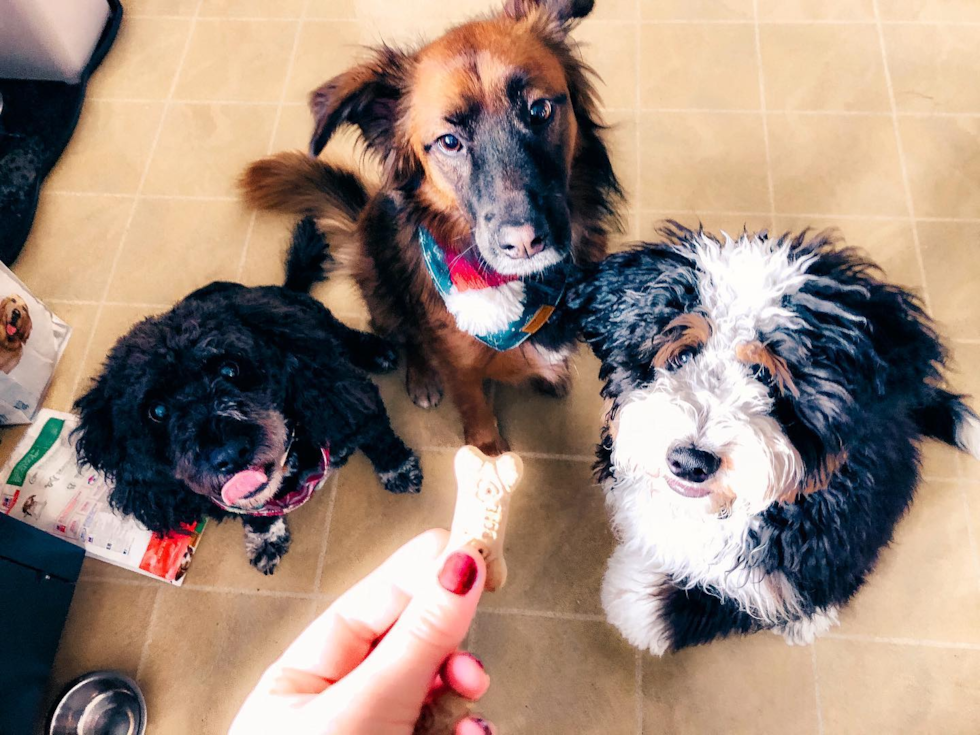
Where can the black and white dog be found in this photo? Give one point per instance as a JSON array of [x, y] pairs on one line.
[[240, 401], [767, 399]]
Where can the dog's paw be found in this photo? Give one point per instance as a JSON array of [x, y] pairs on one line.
[[424, 387], [407, 478], [804, 631], [385, 360], [632, 606], [265, 548]]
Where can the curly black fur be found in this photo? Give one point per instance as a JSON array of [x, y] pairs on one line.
[[869, 390], [237, 367]]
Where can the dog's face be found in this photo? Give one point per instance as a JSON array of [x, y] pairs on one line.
[[199, 405], [491, 122], [481, 125], [730, 365], [15, 319]]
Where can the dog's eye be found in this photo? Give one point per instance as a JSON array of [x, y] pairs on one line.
[[229, 370], [681, 359], [540, 111], [157, 412], [450, 143], [762, 374]]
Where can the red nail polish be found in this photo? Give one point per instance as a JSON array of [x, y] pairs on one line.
[[483, 724], [478, 661], [458, 573]]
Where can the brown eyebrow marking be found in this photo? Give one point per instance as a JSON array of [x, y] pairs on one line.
[[756, 353], [685, 332]]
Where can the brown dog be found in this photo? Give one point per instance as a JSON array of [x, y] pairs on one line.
[[495, 170], [15, 319]]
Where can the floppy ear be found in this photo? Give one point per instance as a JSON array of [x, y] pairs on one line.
[[564, 11], [29, 325], [367, 96], [95, 436], [142, 487]]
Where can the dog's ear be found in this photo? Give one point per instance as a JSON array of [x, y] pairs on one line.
[[142, 487], [95, 438], [151, 495], [367, 96], [28, 325], [565, 12]]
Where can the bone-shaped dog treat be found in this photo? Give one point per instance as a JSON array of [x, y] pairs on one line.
[[484, 487]]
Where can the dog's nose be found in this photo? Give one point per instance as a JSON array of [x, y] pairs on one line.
[[15, 316], [231, 457], [692, 464], [521, 242]]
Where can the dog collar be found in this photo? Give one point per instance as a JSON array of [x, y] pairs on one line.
[[457, 273], [294, 499]]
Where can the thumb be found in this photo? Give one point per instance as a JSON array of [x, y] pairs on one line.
[[401, 669]]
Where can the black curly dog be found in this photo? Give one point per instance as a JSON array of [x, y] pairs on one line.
[[222, 406]]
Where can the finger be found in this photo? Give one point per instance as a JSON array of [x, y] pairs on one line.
[[464, 673], [475, 726], [336, 642], [401, 668]]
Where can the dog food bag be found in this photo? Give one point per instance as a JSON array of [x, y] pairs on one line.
[[44, 486], [31, 343]]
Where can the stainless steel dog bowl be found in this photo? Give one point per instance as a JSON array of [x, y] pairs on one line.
[[100, 703]]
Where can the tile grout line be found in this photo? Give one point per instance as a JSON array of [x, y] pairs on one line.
[[328, 522], [903, 164], [275, 130], [862, 638], [816, 688], [638, 683], [224, 590], [136, 199], [548, 614], [637, 137], [765, 118], [145, 650]]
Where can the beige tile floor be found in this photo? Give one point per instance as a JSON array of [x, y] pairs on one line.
[[863, 114]]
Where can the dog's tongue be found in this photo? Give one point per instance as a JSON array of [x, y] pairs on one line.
[[242, 485], [11, 330]]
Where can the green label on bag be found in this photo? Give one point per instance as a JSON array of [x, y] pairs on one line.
[[45, 440]]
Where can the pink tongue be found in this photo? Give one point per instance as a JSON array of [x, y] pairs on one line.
[[241, 485], [11, 330]]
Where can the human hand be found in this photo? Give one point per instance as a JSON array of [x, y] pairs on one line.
[[379, 654]]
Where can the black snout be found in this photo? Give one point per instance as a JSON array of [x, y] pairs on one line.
[[522, 242], [692, 464], [233, 456], [15, 317]]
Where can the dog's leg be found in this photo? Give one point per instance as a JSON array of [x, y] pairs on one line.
[[422, 382], [266, 541], [631, 597], [479, 422], [397, 466], [694, 616], [367, 351], [804, 631]]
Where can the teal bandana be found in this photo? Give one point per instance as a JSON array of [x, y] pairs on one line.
[[458, 273]]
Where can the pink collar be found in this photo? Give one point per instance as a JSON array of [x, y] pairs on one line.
[[280, 506]]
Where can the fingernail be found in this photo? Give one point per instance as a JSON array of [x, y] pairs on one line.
[[458, 573], [483, 724], [478, 661]]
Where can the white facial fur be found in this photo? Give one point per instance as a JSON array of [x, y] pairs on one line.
[[714, 401]]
